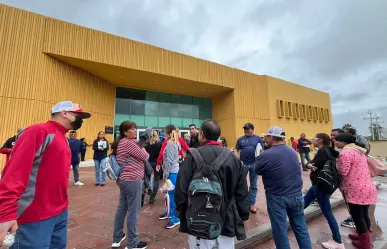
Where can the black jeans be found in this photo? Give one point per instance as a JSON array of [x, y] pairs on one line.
[[83, 153], [360, 217]]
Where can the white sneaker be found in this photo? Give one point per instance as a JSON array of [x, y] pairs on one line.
[[118, 244], [331, 244], [78, 183]]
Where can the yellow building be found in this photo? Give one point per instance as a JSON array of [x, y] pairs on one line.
[[44, 61]]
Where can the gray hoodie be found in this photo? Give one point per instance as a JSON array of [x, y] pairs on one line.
[[171, 158]]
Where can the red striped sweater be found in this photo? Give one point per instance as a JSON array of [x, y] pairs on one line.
[[134, 170]]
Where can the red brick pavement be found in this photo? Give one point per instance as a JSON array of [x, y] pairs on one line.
[[92, 211]]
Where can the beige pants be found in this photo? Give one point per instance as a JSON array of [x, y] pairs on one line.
[[222, 242]]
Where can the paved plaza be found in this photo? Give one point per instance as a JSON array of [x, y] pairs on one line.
[[92, 211]]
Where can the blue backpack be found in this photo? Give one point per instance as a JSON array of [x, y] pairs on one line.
[[113, 169]]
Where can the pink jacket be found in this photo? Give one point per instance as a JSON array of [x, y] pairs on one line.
[[356, 183]]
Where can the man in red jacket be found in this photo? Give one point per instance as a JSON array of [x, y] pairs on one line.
[[33, 187], [8, 145]]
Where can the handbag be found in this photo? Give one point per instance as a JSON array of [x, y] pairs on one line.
[[328, 179], [376, 165], [113, 169]]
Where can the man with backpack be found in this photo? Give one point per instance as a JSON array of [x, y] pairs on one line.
[[211, 193]]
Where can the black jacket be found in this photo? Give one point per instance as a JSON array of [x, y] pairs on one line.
[[194, 141], [320, 159], [234, 186]]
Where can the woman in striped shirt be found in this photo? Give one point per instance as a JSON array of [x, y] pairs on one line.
[[131, 157]]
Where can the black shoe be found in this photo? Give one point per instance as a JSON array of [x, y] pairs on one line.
[[102, 185], [97, 184], [141, 245], [150, 192], [152, 199]]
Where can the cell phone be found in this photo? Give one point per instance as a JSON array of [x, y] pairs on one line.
[[8, 241]]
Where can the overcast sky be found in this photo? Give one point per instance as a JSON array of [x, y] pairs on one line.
[[338, 47]]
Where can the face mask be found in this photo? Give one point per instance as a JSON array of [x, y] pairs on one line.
[[77, 123], [337, 149]]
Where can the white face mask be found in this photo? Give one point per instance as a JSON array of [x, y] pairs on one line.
[[337, 149]]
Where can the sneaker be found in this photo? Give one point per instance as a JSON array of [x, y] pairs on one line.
[[78, 183], [314, 203], [347, 223], [171, 224], [118, 244], [163, 217], [332, 245], [141, 245]]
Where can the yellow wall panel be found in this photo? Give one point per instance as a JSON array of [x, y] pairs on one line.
[[223, 110], [289, 92]]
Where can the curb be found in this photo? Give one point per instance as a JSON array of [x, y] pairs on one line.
[[263, 233]]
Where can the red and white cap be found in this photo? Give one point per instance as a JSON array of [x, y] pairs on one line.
[[69, 106]]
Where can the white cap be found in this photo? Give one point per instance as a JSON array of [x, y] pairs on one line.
[[276, 131], [69, 106]]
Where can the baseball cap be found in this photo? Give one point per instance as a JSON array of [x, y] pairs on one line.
[[69, 106], [276, 131], [249, 126]]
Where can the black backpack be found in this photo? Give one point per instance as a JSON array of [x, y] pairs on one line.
[[328, 179], [205, 197]]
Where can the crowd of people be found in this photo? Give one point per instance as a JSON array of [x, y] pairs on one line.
[[210, 198]]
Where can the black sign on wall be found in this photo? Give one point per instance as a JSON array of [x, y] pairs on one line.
[[109, 130]]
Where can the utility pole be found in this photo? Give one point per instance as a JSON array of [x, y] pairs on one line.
[[371, 120], [377, 124]]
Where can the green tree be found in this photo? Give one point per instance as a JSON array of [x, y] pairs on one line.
[[346, 126]]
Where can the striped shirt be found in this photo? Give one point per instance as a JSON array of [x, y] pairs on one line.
[[134, 170]]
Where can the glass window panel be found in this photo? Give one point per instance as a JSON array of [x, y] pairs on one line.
[[152, 96], [151, 108], [207, 102], [164, 121], [151, 121], [195, 111], [165, 97], [175, 111], [186, 100], [123, 106], [187, 111], [122, 93], [137, 107], [137, 94], [186, 122], [178, 122], [176, 98], [196, 122], [119, 118], [196, 101], [139, 120], [164, 109]]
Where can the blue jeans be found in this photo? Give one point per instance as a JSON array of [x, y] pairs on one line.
[[325, 206], [100, 166], [304, 156], [173, 178], [250, 168], [292, 206], [46, 234]]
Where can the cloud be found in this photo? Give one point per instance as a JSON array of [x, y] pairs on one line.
[[333, 46]]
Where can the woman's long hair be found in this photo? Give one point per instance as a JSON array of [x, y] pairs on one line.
[[103, 135], [170, 130], [155, 137], [124, 127]]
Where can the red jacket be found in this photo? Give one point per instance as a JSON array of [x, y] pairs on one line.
[[295, 146], [183, 144], [34, 182]]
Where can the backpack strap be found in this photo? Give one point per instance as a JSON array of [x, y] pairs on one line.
[[198, 159], [222, 157]]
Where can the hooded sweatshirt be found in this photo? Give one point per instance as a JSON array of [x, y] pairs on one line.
[[356, 183]]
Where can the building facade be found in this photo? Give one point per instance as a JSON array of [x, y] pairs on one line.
[[44, 61]]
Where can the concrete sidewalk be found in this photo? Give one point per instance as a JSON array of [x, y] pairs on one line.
[[92, 211]]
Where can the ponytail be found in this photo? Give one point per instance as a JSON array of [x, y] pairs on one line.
[[174, 137]]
